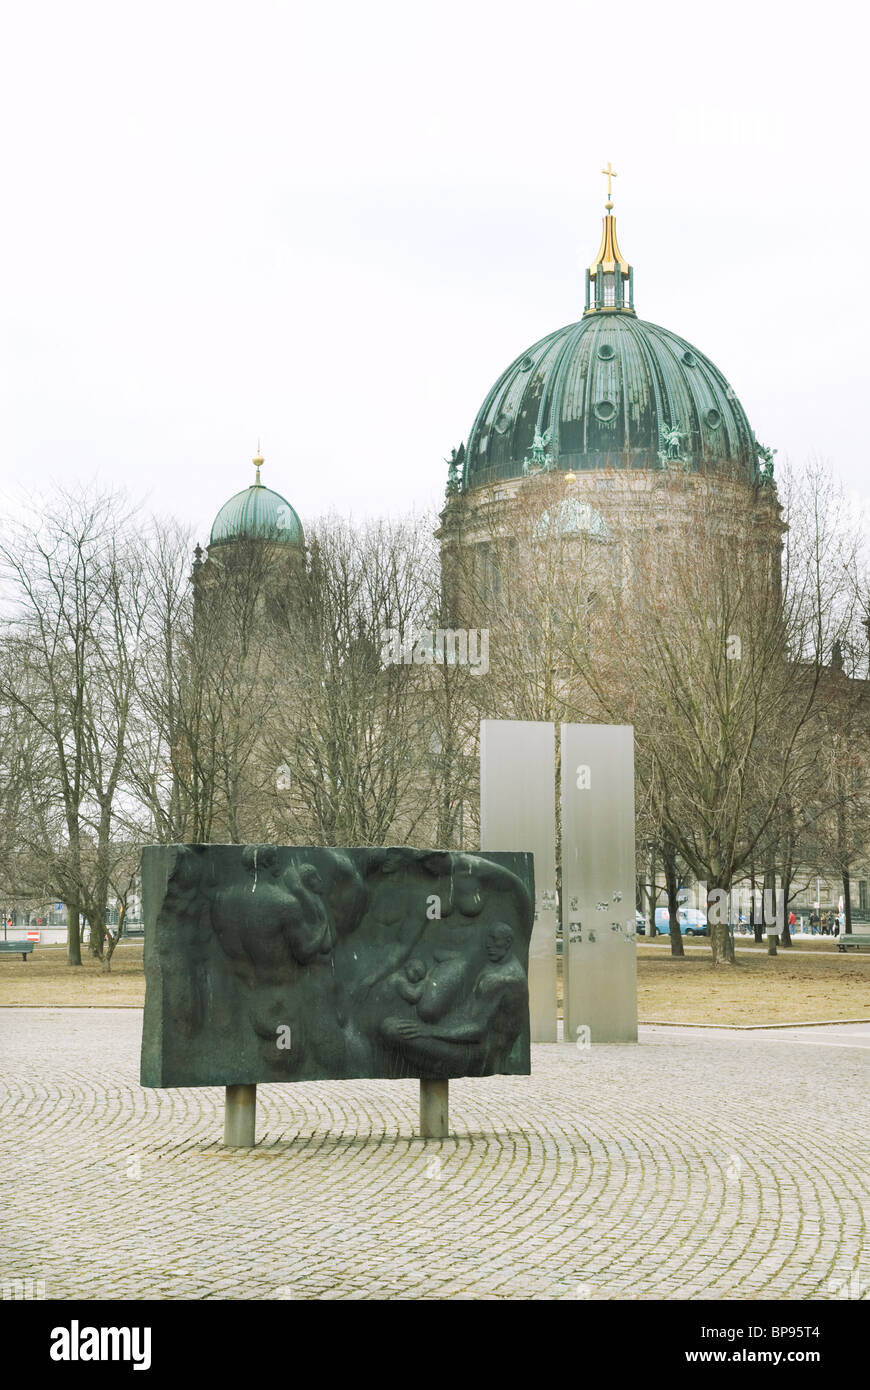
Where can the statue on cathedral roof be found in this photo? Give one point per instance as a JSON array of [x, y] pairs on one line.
[[538, 460], [454, 470], [670, 453], [765, 464]]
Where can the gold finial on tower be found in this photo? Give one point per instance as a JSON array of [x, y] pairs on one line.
[[611, 174], [258, 464], [610, 279]]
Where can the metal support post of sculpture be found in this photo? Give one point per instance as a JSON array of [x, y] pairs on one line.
[[518, 807], [598, 883], [277, 963], [434, 1101], [240, 1117]]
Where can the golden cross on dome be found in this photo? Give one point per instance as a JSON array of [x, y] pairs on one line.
[[611, 174], [258, 464]]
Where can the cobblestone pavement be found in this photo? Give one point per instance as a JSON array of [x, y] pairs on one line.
[[725, 1166]]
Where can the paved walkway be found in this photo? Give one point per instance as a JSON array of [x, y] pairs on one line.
[[698, 1164]]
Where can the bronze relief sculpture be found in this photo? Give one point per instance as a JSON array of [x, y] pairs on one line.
[[277, 963]]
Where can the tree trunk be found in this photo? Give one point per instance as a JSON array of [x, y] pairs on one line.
[[785, 934], [109, 950], [721, 940], [768, 897], [74, 904], [112, 940], [787, 839], [653, 894], [722, 944], [847, 902], [95, 916], [753, 922], [73, 934], [101, 882], [669, 863]]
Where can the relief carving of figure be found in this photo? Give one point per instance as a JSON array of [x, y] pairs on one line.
[[470, 1034]]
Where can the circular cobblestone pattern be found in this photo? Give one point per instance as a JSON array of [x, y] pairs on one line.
[[695, 1165]]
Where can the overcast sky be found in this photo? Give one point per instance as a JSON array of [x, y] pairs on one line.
[[331, 226]]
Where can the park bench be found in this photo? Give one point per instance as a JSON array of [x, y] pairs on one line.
[[856, 939], [17, 947]]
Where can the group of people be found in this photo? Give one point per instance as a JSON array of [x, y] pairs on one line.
[[826, 925]]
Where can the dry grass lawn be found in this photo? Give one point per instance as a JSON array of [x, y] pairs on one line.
[[788, 988], [45, 980]]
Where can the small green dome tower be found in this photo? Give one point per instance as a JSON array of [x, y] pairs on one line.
[[257, 513]]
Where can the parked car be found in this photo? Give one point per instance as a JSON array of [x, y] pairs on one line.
[[639, 923], [692, 922]]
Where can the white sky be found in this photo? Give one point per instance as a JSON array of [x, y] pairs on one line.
[[333, 225]]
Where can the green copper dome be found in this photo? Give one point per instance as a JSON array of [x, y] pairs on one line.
[[257, 513], [610, 392]]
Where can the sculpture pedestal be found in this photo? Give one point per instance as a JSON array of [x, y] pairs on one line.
[[240, 1117], [433, 1109]]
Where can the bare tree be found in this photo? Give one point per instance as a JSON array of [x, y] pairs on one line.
[[74, 611], [842, 772], [354, 729], [737, 653], [166, 771]]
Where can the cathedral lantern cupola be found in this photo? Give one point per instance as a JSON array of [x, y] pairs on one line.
[[610, 279]]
